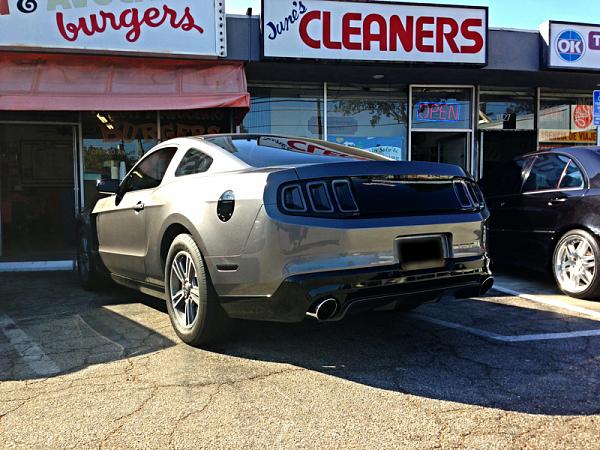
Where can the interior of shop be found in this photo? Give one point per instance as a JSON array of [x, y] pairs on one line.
[[37, 194]]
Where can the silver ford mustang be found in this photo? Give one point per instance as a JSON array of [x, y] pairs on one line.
[[278, 228]]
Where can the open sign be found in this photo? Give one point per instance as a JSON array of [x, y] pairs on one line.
[[438, 112]]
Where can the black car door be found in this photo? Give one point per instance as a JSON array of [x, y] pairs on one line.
[[553, 184], [502, 190]]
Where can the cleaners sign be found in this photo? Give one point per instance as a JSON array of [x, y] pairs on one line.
[[374, 31], [571, 45], [174, 27]]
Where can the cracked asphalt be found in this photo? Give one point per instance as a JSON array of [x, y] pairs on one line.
[[105, 370]]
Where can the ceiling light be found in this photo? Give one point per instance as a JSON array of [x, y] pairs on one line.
[[378, 77]]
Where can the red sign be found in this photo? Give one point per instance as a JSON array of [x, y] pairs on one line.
[[374, 31], [582, 117]]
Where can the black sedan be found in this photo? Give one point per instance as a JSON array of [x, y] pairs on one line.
[[545, 214]]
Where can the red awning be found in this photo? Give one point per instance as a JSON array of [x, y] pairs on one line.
[[44, 82]]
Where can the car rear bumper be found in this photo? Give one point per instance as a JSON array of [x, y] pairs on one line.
[[365, 288]]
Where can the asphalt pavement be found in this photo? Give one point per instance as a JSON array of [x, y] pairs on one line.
[[105, 370]]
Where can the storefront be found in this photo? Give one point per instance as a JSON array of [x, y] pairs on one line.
[[101, 82], [418, 82], [82, 101]]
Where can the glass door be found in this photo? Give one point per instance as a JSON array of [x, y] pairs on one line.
[[37, 192], [441, 124]]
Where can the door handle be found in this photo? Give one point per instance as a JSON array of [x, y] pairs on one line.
[[139, 207], [557, 200]]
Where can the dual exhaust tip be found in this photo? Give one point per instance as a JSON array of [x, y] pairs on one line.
[[328, 308], [324, 310]]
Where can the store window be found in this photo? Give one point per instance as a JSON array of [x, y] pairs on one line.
[[565, 119], [194, 122], [506, 109], [373, 120], [441, 125], [112, 143], [506, 126], [294, 111]]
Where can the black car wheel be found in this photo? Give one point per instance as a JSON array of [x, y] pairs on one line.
[[193, 306], [575, 265], [87, 266]]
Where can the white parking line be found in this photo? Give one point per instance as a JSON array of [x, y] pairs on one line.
[[29, 350], [549, 301], [502, 338]]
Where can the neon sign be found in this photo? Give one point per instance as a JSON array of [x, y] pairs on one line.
[[438, 112]]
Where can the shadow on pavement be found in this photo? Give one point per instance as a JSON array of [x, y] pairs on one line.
[[53, 327], [401, 353]]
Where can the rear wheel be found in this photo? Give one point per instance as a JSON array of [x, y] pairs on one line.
[[87, 264], [575, 265], [193, 307]]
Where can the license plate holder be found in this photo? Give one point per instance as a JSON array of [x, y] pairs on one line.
[[421, 252]]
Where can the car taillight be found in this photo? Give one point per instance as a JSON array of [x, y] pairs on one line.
[[469, 195], [331, 198], [292, 199], [343, 196], [319, 197]]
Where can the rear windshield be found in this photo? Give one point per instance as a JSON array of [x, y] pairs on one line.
[[266, 151]]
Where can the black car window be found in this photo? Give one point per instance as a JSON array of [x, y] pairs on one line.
[[267, 151], [545, 173], [193, 162], [507, 180], [572, 177], [150, 171]]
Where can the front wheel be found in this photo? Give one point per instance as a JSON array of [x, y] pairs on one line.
[[193, 307], [575, 265]]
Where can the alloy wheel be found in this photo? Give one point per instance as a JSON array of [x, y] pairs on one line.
[[184, 290], [575, 264]]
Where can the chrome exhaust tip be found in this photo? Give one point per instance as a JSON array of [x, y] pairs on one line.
[[486, 286], [324, 310]]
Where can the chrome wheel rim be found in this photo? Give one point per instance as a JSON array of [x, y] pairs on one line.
[[184, 290], [575, 264]]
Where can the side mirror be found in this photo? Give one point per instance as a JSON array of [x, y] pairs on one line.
[[107, 186]]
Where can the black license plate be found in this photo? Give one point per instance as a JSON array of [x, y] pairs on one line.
[[421, 252]]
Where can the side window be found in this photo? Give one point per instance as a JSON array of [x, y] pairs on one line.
[[193, 162], [572, 178], [546, 173], [150, 171]]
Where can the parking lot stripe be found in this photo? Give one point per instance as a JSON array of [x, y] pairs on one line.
[[502, 338], [29, 350], [549, 301]]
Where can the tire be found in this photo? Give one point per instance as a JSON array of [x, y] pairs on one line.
[[87, 263], [193, 306], [576, 265]]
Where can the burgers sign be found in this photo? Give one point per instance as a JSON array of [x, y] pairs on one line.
[[186, 27]]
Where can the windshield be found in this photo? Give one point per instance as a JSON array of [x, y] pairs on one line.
[[266, 151]]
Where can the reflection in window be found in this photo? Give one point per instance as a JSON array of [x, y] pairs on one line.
[[373, 121], [112, 143], [572, 178], [149, 173], [194, 122], [566, 120], [193, 162], [286, 111], [506, 110], [546, 173]]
